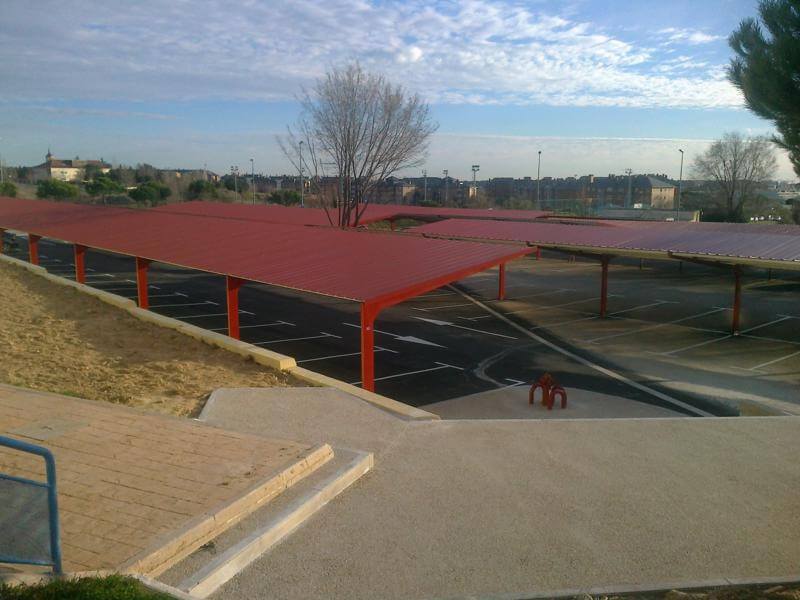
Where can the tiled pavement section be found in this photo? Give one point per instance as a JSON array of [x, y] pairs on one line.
[[127, 479]]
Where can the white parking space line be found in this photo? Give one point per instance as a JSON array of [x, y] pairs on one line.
[[536, 295], [698, 345], [657, 303], [297, 339], [650, 327], [559, 323], [449, 324], [609, 372], [440, 307], [205, 303], [209, 315], [534, 307], [478, 318], [784, 318], [377, 349], [406, 374], [772, 362], [769, 339], [400, 338], [257, 325], [434, 295], [167, 296]]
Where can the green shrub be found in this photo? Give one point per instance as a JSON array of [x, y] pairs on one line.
[[8, 189], [113, 587], [58, 190]]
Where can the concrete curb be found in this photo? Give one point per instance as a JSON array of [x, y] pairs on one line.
[[645, 588], [214, 575], [261, 356], [393, 406], [174, 547]]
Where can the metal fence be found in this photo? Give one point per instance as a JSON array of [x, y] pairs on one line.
[[29, 529]]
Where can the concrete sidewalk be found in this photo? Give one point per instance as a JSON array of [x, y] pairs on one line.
[[512, 403], [137, 488], [491, 507]]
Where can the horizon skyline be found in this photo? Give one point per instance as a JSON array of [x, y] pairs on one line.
[[598, 86]]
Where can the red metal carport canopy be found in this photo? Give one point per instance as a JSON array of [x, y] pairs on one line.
[[376, 269], [317, 216]]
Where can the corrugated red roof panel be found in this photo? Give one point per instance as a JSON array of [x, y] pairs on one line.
[[318, 216], [697, 239], [357, 265]]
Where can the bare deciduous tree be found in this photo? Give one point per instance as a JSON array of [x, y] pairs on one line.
[[361, 129], [737, 165]]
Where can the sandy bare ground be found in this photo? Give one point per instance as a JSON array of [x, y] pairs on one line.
[[55, 339]]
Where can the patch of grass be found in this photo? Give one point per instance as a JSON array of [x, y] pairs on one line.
[[114, 587]]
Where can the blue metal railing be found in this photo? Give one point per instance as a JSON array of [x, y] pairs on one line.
[[52, 502]]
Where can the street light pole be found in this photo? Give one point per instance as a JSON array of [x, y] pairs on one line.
[[446, 181], [628, 198], [475, 169], [253, 179], [302, 186], [425, 186], [538, 182], [680, 189], [235, 175]]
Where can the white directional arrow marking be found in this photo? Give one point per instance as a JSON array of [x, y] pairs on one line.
[[448, 323], [402, 338]]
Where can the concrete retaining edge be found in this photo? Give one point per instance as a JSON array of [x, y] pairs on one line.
[[633, 589], [261, 356]]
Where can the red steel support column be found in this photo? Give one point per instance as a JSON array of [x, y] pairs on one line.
[[141, 281], [80, 263], [368, 314], [737, 298], [232, 285], [604, 286], [2, 233], [501, 283], [538, 253], [391, 224], [33, 248]]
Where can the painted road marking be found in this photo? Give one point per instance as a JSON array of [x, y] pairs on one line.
[[449, 324], [772, 362], [534, 307], [440, 367], [547, 293], [377, 349], [440, 307], [166, 296], [402, 338], [184, 304], [126, 288], [698, 345], [648, 328], [657, 303], [254, 326], [212, 315], [297, 339], [588, 363], [783, 318], [478, 318]]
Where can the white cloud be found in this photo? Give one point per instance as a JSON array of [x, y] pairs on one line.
[[690, 36], [464, 51]]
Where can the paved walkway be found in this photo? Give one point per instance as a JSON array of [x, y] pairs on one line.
[[480, 508], [512, 403], [128, 481]]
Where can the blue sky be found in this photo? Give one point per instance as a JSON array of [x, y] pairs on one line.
[[598, 86]]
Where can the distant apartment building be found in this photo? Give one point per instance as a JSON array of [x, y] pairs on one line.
[[638, 191], [66, 170], [393, 191]]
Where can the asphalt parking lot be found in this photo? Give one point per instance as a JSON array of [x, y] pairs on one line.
[[665, 338]]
